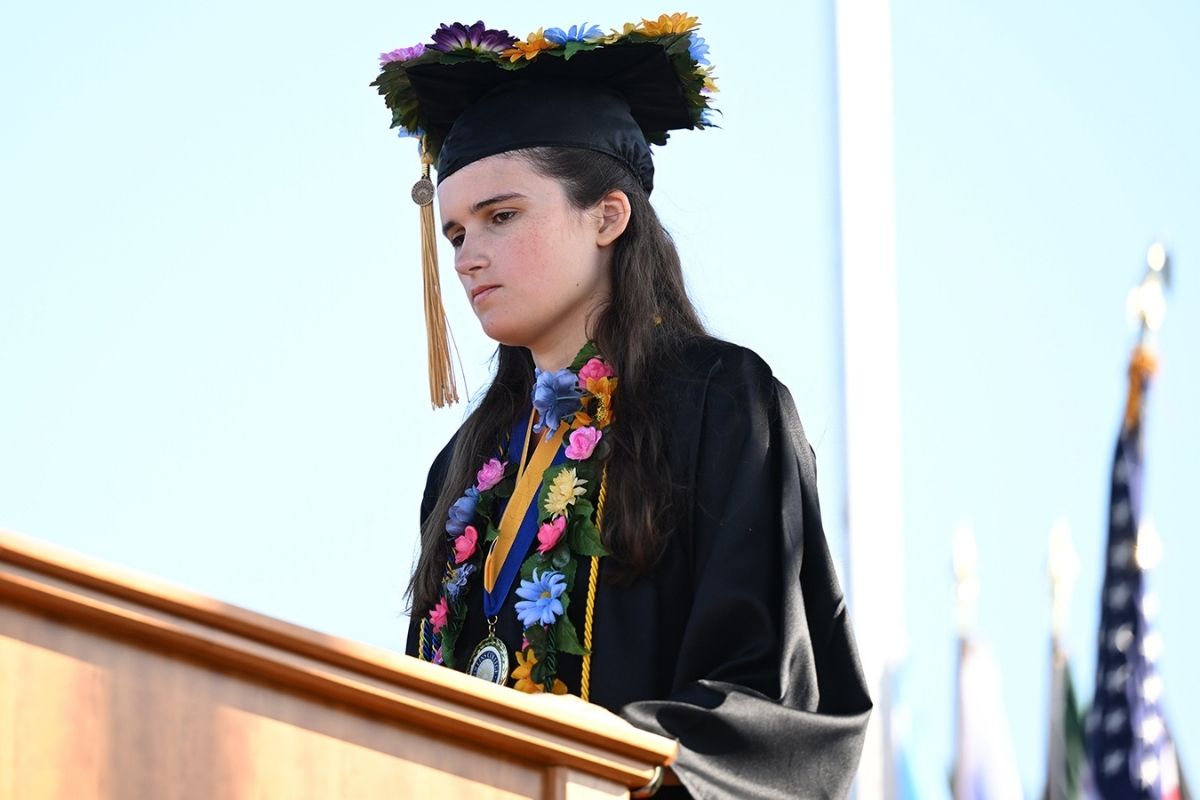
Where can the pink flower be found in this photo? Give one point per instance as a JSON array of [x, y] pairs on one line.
[[489, 474], [550, 533], [594, 368], [438, 615], [582, 443], [464, 545]]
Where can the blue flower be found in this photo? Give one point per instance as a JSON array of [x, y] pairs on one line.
[[541, 605], [697, 49], [555, 394], [577, 33], [462, 512], [457, 580]]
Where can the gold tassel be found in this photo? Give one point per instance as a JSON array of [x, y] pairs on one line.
[[442, 388], [1142, 366]]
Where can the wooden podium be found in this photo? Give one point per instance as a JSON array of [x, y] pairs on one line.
[[116, 686]]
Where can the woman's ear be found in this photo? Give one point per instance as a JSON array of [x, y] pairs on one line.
[[614, 217]]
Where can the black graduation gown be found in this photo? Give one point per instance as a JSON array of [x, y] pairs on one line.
[[737, 643]]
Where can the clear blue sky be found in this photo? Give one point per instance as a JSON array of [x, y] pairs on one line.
[[211, 352]]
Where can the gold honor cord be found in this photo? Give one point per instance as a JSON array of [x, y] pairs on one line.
[[529, 481], [593, 573]]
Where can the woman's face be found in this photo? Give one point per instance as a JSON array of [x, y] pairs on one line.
[[533, 266]]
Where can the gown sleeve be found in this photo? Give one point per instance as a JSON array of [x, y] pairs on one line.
[[768, 698]]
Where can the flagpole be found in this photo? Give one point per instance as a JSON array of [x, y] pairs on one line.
[[966, 604]]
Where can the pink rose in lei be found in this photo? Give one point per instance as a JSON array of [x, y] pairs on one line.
[[464, 545], [550, 533], [594, 368], [582, 443], [489, 475], [438, 615]]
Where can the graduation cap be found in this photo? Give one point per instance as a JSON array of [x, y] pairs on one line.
[[475, 92]]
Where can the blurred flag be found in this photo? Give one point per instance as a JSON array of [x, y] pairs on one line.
[[1065, 761], [1130, 752], [985, 765]]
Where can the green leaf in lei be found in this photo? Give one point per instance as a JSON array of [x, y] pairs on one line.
[[567, 638], [451, 631], [493, 533], [585, 355], [560, 556], [504, 489], [537, 637], [584, 538], [574, 47]]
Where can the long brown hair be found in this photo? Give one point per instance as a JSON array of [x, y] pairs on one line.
[[641, 328]]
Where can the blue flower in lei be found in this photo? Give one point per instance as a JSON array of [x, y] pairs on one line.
[[576, 33], [462, 512], [456, 581], [555, 394], [541, 605]]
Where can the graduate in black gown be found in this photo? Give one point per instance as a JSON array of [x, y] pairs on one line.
[[629, 513]]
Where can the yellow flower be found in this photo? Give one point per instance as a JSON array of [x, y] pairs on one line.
[[668, 24], [602, 389], [563, 491], [523, 675], [618, 35], [710, 83], [529, 48]]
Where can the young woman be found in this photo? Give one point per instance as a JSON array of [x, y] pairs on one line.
[[630, 512]]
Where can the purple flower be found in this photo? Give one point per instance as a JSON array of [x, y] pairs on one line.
[[451, 38], [541, 605], [555, 394], [456, 581], [577, 33], [491, 473], [462, 512], [402, 54], [697, 49]]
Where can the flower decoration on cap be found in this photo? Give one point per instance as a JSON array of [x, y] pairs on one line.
[[477, 38], [576, 33], [667, 24], [530, 47], [403, 54], [458, 44]]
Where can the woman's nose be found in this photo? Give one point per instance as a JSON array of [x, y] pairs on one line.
[[469, 258]]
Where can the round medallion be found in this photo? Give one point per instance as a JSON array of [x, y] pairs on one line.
[[422, 192], [490, 661]]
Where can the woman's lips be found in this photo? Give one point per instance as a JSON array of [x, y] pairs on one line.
[[482, 292]]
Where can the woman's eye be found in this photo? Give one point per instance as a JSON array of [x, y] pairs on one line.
[[501, 217], [456, 241]]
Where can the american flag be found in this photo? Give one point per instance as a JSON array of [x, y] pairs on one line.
[[1130, 752]]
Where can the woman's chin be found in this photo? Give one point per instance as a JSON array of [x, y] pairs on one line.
[[503, 334]]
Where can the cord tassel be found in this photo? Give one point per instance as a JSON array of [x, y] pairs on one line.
[[443, 390]]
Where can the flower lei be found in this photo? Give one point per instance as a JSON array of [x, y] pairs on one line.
[[581, 396], [458, 43]]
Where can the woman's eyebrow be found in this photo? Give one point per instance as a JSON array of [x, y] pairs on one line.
[[482, 204]]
